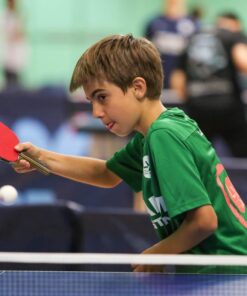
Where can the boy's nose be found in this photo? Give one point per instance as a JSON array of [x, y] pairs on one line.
[[97, 110]]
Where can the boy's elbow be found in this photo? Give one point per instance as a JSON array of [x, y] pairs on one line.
[[204, 220], [212, 226], [208, 225]]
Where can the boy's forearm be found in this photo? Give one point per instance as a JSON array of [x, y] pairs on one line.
[[179, 242], [197, 226], [82, 169]]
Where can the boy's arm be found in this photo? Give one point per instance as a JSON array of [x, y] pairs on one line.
[[178, 83], [82, 169], [197, 226], [239, 53], [178, 79]]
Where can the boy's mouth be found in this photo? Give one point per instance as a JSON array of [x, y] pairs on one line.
[[110, 125]]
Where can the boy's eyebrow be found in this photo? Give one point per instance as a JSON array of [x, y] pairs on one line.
[[93, 94]]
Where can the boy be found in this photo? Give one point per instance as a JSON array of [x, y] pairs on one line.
[[193, 206]]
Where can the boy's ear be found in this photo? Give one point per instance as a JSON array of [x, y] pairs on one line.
[[139, 87]]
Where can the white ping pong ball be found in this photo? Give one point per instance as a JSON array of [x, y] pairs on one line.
[[8, 194]]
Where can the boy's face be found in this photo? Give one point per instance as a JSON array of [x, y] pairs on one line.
[[120, 112]]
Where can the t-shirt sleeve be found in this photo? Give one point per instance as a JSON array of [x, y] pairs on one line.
[[177, 173], [127, 163]]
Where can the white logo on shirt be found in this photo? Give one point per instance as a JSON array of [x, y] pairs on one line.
[[159, 206], [146, 167]]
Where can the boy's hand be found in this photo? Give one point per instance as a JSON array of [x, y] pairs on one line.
[[147, 268], [22, 165]]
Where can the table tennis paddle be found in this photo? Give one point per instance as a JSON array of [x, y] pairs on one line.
[[8, 140]]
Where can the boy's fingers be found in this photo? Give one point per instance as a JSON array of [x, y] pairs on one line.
[[138, 268], [22, 146], [21, 165]]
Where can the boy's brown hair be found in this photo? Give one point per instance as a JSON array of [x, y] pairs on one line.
[[118, 59]]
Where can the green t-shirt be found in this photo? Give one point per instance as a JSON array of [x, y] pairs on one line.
[[178, 170]]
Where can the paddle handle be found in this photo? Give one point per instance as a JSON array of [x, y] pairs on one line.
[[35, 163]]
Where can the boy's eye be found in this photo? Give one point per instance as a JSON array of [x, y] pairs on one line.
[[101, 98]]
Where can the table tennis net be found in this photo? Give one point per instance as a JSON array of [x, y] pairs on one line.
[[53, 274]]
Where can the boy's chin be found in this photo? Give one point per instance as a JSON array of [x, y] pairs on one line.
[[121, 134]]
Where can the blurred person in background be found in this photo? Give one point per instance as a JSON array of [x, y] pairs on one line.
[[170, 32], [207, 79], [14, 45]]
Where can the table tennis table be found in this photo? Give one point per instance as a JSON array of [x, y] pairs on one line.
[[68, 283]]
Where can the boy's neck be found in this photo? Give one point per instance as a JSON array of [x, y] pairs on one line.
[[151, 111]]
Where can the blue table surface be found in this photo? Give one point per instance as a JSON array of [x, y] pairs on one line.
[[50, 283]]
